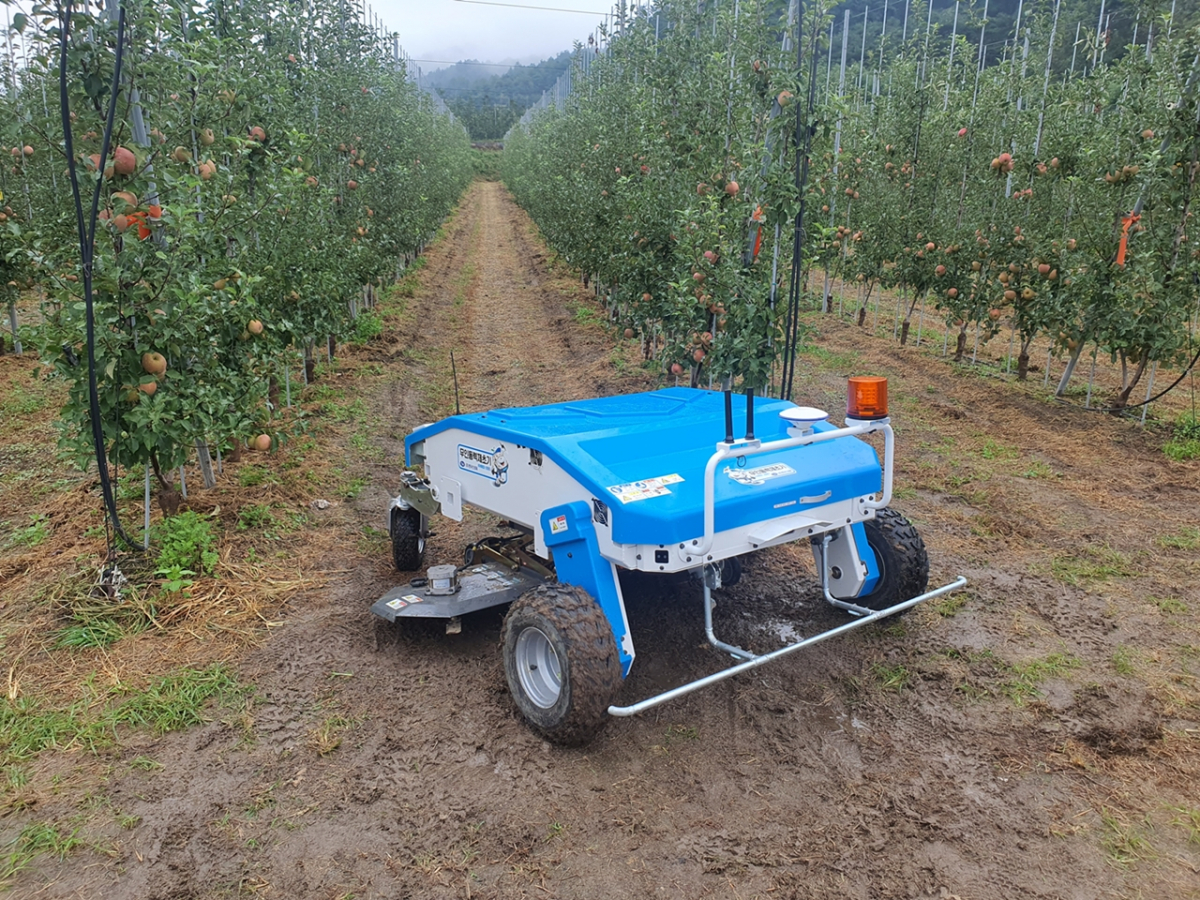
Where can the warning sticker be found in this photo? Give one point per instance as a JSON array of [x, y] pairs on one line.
[[413, 598], [759, 475], [558, 525], [644, 490], [397, 604]]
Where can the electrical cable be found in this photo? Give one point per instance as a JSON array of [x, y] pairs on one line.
[[87, 236]]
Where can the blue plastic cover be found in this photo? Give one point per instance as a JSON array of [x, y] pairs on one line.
[[644, 456]]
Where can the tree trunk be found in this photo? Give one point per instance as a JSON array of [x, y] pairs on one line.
[[169, 500], [960, 345], [1022, 366], [1122, 398], [862, 316], [332, 347], [235, 452], [310, 365], [907, 323]]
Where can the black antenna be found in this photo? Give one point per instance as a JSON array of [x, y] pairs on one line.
[[749, 414], [728, 416], [454, 372]]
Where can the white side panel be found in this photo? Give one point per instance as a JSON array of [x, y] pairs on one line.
[[450, 496], [503, 477]]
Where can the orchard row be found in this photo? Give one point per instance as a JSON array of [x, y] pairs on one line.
[[267, 161], [1021, 194]]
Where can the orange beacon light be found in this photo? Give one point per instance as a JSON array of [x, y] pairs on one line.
[[866, 398]]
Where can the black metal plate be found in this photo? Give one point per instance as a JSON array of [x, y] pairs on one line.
[[480, 586]]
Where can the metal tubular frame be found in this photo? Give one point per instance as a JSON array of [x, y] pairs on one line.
[[758, 661], [735, 652], [755, 447]]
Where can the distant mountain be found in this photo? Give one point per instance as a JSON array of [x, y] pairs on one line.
[[488, 99], [465, 75]]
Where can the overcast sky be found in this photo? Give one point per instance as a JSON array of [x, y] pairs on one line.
[[452, 30]]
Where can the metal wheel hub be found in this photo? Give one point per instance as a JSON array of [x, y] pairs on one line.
[[538, 668]]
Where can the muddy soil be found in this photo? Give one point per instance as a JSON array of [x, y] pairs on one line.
[[1038, 736]]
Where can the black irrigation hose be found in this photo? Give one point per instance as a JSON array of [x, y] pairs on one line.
[[803, 151], [87, 235], [1116, 409]]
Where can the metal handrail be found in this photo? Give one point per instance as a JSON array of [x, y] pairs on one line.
[[753, 448]]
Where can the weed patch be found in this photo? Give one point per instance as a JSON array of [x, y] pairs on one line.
[[892, 678], [33, 841], [1026, 677], [186, 542], [173, 702], [1090, 565], [30, 535]]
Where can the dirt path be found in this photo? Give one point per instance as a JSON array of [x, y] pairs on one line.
[[1036, 738]]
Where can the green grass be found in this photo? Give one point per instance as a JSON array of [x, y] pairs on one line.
[[1182, 451], [892, 678], [994, 450], [22, 402], [1122, 660], [830, 360], [947, 607], [1124, 844], [257, 517], [34, 840], [1026, 677], [586, 315], [88, 635], [1187, 538], [186, 542], [1169, 605], [1090, 566], [254, 475], [30, 535], [1188, 818], [173, 702], [367, 327], [354, 487], [1038, 470], [366, 448], [1185, 439], [352, 412]]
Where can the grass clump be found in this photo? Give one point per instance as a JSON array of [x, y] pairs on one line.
[[34, 840], [892, 678], [186, 542], [1090, 565], [1123, 843], [1185, 439], [30, 535], [1026, 677], [1187, 538], [170, 703], [367, 327]]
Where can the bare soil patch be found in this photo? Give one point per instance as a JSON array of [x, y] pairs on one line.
[[1036, 736]]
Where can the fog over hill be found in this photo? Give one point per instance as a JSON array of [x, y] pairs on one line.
[[489, 97]]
